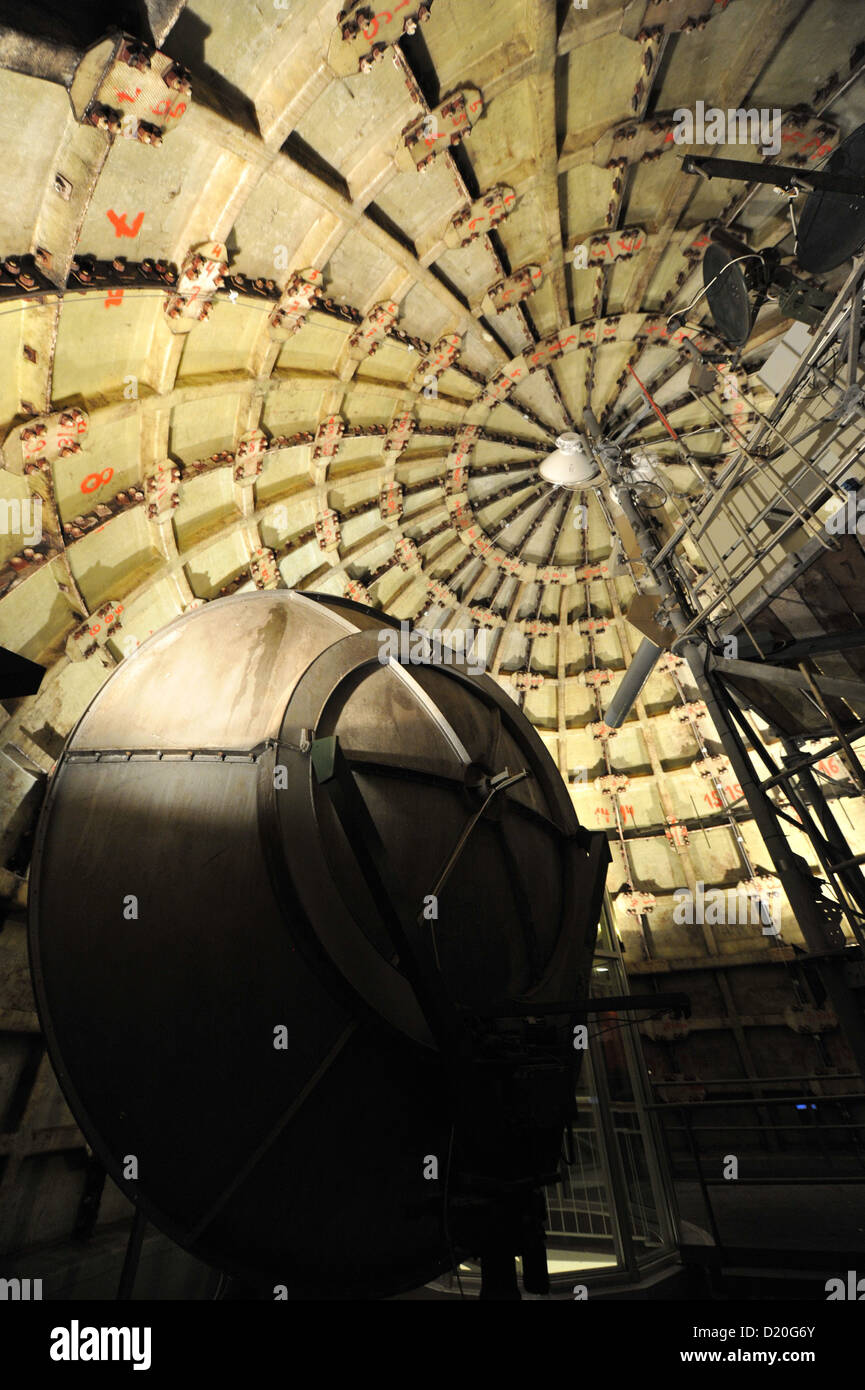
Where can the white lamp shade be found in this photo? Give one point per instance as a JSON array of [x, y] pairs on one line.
[[570, 465]]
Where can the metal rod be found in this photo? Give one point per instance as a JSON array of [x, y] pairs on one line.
[[849, 863], [132, 1256], [779, 175], [818, 1124], [497, 784], [598, 1004], [701, 1177], [852, 763], [725, 594], [789, 868], [810, 1098], [824, 339], [855, 733], [823, 847], [852, 884], [853, 339], [762, 1081], [832, 320]]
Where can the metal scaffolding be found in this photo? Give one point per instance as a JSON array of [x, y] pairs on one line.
[[756, 519]]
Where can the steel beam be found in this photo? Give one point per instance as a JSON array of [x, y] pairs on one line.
[[797, 881], [778, 175], [769, 674], [814, 813], [829, 643]]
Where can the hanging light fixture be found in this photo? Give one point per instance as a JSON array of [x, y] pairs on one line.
[[571, 465]]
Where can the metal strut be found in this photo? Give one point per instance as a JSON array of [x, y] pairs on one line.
[[798, 882]]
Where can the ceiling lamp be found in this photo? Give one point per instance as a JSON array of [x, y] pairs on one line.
[[571, 464]]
